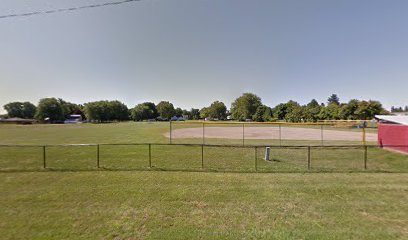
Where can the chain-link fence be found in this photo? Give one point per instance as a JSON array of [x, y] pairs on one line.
[[274, 134], [203, 157]]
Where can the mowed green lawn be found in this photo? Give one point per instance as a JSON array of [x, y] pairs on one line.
[[173, 157], [72, 199], [194, 205]]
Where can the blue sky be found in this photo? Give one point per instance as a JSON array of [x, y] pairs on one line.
[[192, 52]]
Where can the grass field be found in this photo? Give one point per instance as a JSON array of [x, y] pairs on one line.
[[173, 157], [180, 205], [68, 201]]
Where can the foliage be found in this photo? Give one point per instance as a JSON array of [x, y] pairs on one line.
[[106, 111], [144, 111], [194, 114], [263, 114], [333, 99], [178, 112], [204, 112], [20, 110], [311, 111], [367, 110], [50, 109], [245, 106], [217, 110], [166, 110]]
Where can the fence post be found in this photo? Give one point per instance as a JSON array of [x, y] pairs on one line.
[[97, 155], [44, 158], [203, 133], [170, 131], [202, 156], [365, 156], [321, 134], [150, 155], [280, 135], [256, 162], [308, 158], [243, 134]]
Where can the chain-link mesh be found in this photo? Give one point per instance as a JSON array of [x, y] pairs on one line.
[[174, 157], [282, 159], [71, 157], [124, 156], [386, 159], [21, 158], [203, 157], [231, 158], [337, 158]]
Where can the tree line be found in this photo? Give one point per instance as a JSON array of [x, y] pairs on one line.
[[399, 109], [248, 107]]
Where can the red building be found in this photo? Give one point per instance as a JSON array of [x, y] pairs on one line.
[[393, 132]]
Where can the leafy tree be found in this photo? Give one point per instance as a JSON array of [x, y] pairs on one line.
[[279, 112], [205, 112], [50, 109], [348, 111], [295, 113], [186, 114], [263, 114], [217, 110], [334, 99], [311, 111], [165, 110], [71, 108], [179, 112], [367, 109], [195, 114], [245, 106], [143, 111], [106, 111], [20, 109], [331, 112]]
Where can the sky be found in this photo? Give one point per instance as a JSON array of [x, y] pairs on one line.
[[193, 52]]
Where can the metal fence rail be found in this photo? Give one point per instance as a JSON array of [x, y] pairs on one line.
[[202, 157]]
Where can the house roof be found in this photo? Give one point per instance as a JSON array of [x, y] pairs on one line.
[[400, 119]]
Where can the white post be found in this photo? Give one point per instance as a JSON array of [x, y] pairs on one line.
[[267, 153]]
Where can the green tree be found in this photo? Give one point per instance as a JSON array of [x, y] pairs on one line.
[[204, 112], [165, 110], [368, 109], [50, 109], [106, 111], [143, 111], [195, 114], [20, 109], [311, 111], [295, 112], [330, 112], [348, 111], [178, 112], [263, 114], [217, 110], [245, 106], [280, 111], [333, 99]]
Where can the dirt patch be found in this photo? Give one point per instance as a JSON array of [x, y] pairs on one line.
[[287, 133]]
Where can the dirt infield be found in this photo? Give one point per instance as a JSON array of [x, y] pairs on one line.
[[287, 133]]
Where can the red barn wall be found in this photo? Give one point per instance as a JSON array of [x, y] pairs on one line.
[[393, 136]]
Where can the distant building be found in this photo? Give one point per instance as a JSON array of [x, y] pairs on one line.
[[73, 119], [393, 132], [21, 121]]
